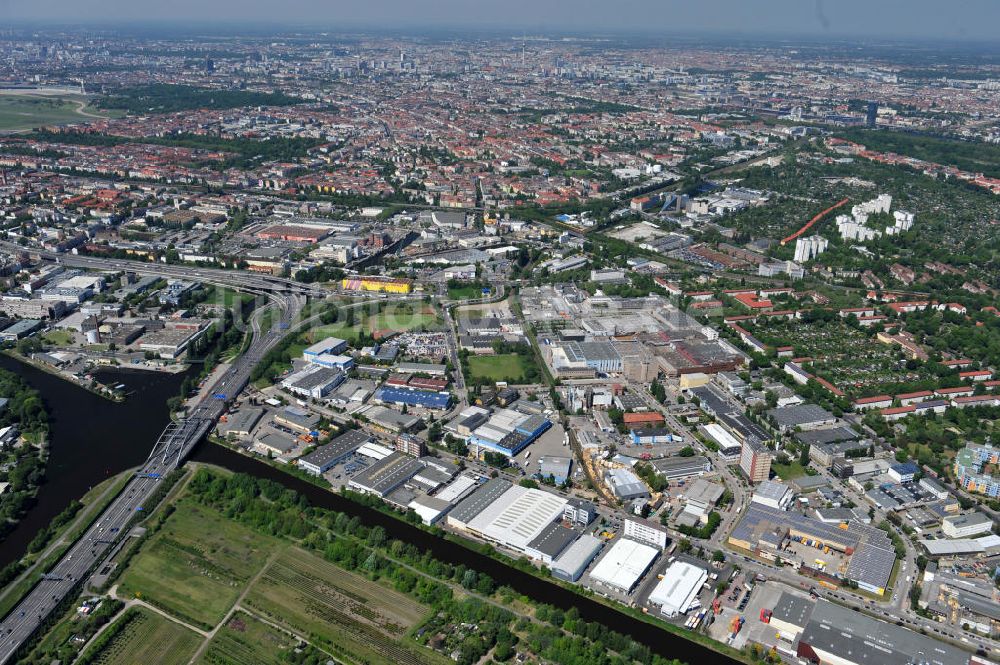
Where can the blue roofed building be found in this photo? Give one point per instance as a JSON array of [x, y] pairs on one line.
[[410, 397]]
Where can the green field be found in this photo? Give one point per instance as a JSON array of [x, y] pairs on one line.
[[354, 619], [58, 337], [245, 640], [27, 111], [148, 638], [503, 367], [465, 292], [396, 319], [196, 565], [788, 471]]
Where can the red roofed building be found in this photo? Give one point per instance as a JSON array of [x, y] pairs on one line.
[[898, 413], [876, 402], [645, 418], [976, 375]]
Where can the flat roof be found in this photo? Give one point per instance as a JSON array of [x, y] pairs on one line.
[[679, 587], [624, 564], [553, 539], [518, 516], [578, 555], [344, 444], [387, 474], [476, 502], [792, 609], [859, 638]]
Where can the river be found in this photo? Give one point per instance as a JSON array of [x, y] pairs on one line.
[[93, 438]]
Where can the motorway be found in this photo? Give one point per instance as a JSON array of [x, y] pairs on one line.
[[170, 450]]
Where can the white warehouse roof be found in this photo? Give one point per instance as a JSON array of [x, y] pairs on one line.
[[518, 516], [678, 588], [624, 564]]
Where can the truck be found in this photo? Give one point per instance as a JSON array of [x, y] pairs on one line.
[[765, 615]]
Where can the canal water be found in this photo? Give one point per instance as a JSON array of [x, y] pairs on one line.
[[91, 438]]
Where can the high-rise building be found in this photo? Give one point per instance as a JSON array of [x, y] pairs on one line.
[[755, 461], [871, 116]]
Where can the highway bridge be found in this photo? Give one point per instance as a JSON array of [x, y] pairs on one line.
[[173, 445]]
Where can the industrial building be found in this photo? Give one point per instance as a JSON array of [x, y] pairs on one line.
[[314, 381], [773, 494], [624, 565], [835, 634], [550, 542], [556, 468], [476, 502], [677, 591], [386, 475], [571, 564], [508, 432], [409, 397], [377, 284], [769, 534], [625, 484], [966, 526], [517, 517], [331, 345], [679, 468], [327, 456]]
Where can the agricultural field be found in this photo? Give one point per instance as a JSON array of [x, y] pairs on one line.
[[850, 358], [146, 637], [500, 367], [22, 111], [246, 640], [196, 565], [353, 618]]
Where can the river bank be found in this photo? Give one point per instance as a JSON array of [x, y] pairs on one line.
[[90, 438]]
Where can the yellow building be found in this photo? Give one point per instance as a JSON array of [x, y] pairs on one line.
[[377, 284]]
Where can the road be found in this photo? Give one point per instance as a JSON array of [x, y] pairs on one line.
[[170, 450]]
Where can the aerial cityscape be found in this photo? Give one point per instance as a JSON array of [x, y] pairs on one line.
[[500, 344]]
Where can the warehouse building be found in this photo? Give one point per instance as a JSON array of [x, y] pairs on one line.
[[625, 484], [768, 533], [328, 456], [556, 468], [476, 502], [330, 345], [677, 591], [550, 543], [314, 381], [773, 494], [517, 517], [836, 634], [386, 475], [804, 416], [621, 568], [508, 432], [241, 423], [966, 526], [408, 397], [571, 564], [678, 468]]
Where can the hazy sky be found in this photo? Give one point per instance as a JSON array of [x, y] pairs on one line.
[[943, 19]]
